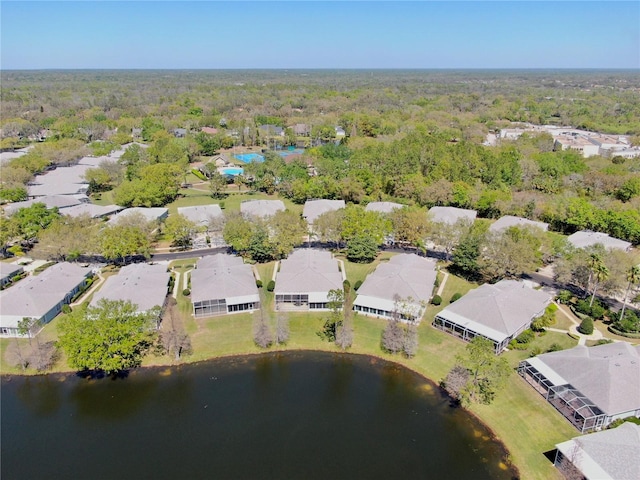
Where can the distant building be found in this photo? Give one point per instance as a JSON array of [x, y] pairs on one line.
[[451, 215], [382, 207], [607, 455], [497, 312], [91, 210], [179, 132], [301, 129], [590, 386], [202, 215], [587, 238], [223, 284], [261, 208], [402, 286], [509, 221], [581, 144], [41, 296], [305, 278], [8, 271], [314, 208], [149, 214], [271, 130], [340, 133], [142, 284], [51, 201]]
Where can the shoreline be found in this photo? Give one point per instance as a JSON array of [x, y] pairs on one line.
[[493, 437]]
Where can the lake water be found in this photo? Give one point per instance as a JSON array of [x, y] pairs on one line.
[[276, 416]]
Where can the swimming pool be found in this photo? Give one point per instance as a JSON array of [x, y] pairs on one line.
[[286, 153], [249, 157], [232, 171]]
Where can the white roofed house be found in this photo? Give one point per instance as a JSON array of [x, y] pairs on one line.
[[587, 238], [305, 278], [590, 386], [202, 215], [314, 208], [402, 286], [509, 221], [261, 208], [149, 214], [497, 312], [91, 210], [143, 284], [222, 284], [382, 207], [50, 201], [8, 271], [451, 215], [40, 297], [607, 455]]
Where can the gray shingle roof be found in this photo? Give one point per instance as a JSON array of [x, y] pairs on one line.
[[51, 201], [223, 276], [93, 211], [61, 175], [8, 269], [308, 270], [497, 311], [451, 215], [587, 238], [150, 214], [405, 275], [261, 208], [510, 221], [201, 214], [143, 284], [36, 295], [57, 189], [609, 375], [610, 454], [314, 208], [382, 207]]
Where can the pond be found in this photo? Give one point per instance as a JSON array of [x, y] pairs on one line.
[[293, 415]]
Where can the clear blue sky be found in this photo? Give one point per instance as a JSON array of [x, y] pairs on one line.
[[419, 34]]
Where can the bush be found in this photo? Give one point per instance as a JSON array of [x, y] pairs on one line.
[[554, 347], [526, 336], [199, 174], [455, 296], [564, 296], [259, 283], [357, 285], [436, 300], [271, 286], [66, 309], [586, 327], [186, 292]]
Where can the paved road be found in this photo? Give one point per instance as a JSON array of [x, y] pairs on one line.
[[188, 254]]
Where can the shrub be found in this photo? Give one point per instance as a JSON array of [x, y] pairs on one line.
[[199, 174], [259, 283], [564, 296], [603, 341], [437, 282], [271, 286], [436, 300], [186, 292], [586, 327], [357, 285], [455, 296], [535, 351], [554, 347], [526, 336], [598, 311], [66, 309]]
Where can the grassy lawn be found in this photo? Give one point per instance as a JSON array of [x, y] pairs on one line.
[[519, 417]]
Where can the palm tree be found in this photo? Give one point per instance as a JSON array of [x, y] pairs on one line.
[[633, 277], [600, 274]]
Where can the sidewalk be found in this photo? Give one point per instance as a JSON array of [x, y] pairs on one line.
[[573, 329]]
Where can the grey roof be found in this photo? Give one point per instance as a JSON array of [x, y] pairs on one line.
[[587, 238], [609, 454], [145, 285], [6, 157], [404, 275], [608, 375], [150, 214], [308, 270], [314, 208], [510, 221], [382, 207], [223, 276], [201, 214], [497, 311], [93, 211], [57, 189], [62, 175], [261, 208], [451, 215], [51, 201], [8, 269], [37, 294]]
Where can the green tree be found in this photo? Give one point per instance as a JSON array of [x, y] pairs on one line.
[[633, 278], [180, 229], [286, 230], [110, 337], [362, 249], [67, 238], [217, 184], [31, 220], [237, 232], [487, 372], [410, 226], [599, 272], [510, 253], [118, 242]]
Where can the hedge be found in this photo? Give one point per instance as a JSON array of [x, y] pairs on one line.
[[199, 174], [612, 329]]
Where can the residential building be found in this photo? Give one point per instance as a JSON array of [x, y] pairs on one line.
[[8, 271], [402, 286], [590, 386], [143, 284], [149, 214], [451, 215], [202, 215], [587, 238], [91, 210], [314, 208], [304, 279], [179, 132], [607, 455], [271, 131], [497, 312], [301, 129], [509, 221], [222, 284], [382, 207], [261, 208], [583, 145], [41, 296], [51, 201]]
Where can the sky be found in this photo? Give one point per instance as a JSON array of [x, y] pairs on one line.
[[331, 34]]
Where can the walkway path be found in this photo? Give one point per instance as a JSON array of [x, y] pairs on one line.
[[573, 329], [443, 283], [93, 288]]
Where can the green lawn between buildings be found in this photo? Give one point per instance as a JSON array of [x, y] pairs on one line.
[[519, 417]]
